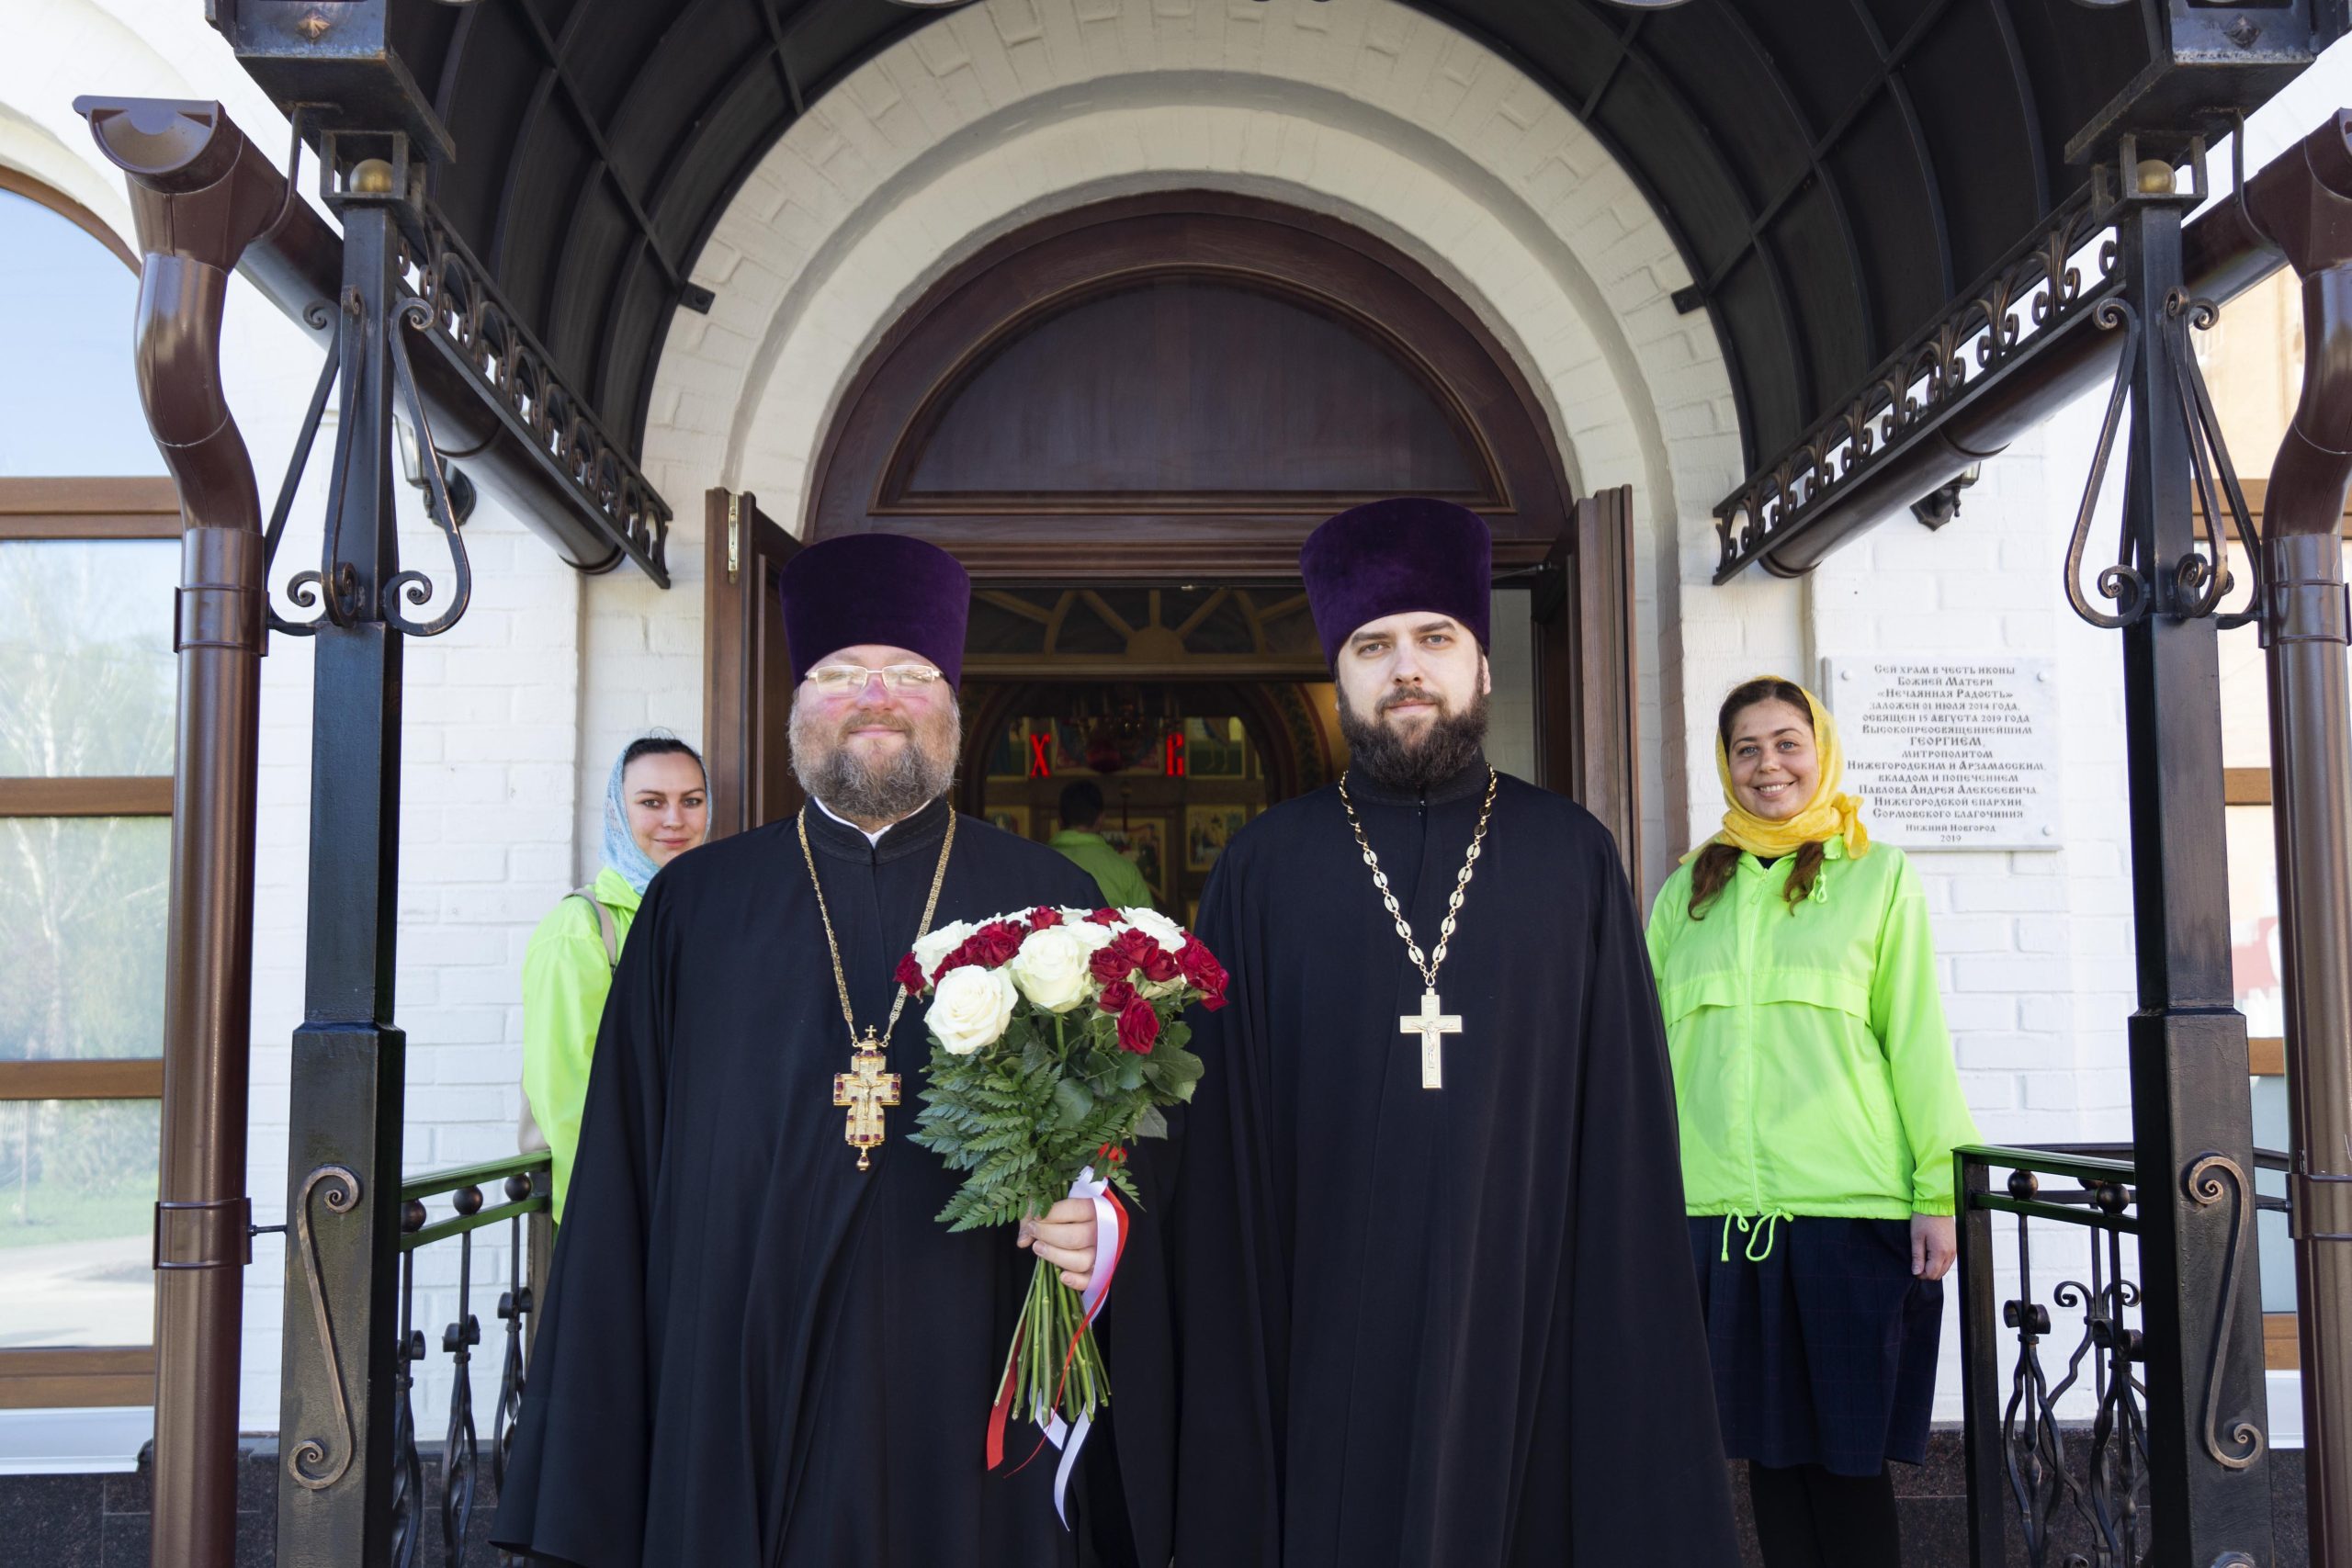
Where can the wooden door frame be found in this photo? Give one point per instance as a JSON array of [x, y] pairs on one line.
[[738, 541], [1588, 671]]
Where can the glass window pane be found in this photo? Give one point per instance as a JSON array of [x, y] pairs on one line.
[[2276, 1246], [2245, 683], [77, 1194], [2253, 919], [88, 685], [81, 901], [70, 403]]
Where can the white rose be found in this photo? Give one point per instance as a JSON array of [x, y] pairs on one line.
[[971, 1008], [1050, 968], [1088, 934], [1157, 926], [933, 949]]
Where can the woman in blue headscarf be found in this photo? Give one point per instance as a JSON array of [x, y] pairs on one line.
[[657, 807]]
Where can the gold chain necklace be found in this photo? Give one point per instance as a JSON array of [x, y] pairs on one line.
[[1433, 1022], [865, 1089]]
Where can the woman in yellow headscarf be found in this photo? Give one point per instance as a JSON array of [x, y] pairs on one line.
[[1819, 1108]]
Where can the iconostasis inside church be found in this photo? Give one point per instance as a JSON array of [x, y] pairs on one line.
[[1177, 782]]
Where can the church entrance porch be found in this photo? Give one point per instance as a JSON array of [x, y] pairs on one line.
[[962, 417]]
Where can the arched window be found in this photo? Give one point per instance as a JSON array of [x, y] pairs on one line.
[[89, 559]]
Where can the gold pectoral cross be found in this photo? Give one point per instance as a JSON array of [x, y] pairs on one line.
[[865, 1088], [1430, 1023]]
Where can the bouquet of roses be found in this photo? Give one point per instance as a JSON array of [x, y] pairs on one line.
[[1057, 1037]]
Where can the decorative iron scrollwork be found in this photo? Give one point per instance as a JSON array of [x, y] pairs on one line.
[[519, 377], [408, 1464], [526, 1185], [514, 1306], [303, 589], [2204, 580], [2076, 1504], [308, 1461], [415, 585], [2210, 1179], [2124, 583], [2025, 298], [459, 1452]]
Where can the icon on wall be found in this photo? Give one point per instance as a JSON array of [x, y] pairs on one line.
[[1144, 840], [1207, 829], [1214, 749]]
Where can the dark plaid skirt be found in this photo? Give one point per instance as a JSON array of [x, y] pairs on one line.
[[1825, 1353]]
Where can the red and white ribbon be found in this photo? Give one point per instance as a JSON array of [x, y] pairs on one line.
[[1110, 1243]]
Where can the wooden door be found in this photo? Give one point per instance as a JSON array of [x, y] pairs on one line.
[[747, 669], [1585, 672]]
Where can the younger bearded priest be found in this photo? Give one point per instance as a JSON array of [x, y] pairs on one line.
[[761, 1347], [1430, 1264]]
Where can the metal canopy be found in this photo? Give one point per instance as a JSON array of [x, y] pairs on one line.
[[1834, 171]]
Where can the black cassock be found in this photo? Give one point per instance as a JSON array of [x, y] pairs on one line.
[[1450, 1327], [754, 1354]]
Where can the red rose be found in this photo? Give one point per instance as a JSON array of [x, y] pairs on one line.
[[995, 944], [1104, 917], [1202, 971], [910, 975], [1042, 918], [1134, 946], [1138, 1027], [1160, 964], [1116, 997], [1108, 963]]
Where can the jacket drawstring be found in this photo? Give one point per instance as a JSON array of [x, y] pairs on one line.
[[1760, 1228]]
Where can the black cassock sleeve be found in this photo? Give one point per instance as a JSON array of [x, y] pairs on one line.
[[576, 1484], [1626, 1427], [1226, 1261]]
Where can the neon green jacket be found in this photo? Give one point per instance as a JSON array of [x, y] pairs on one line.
[[1122, 886], [565, 977], [1812, 1069]]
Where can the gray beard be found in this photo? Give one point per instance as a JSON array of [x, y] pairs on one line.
[[887, 792], [1451, 743]]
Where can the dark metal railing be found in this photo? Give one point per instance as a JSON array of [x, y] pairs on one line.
[[524, 1183], [2071, 1491]]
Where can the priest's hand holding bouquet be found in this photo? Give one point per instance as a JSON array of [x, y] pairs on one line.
[[1057, 1035]]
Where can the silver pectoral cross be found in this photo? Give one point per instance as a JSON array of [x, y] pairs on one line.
[[1430, 1024]]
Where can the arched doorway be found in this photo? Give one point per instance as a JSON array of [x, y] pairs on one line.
[[1124, 419], [1180, 383]]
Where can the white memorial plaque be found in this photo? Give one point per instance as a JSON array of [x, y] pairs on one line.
[[1952, 753]]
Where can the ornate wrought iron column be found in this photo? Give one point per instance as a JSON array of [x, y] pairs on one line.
[[344, 1189], [201, 195], [2190, 1104], [2303, 203]]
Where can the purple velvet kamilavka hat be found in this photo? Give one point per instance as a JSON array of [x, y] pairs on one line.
[[1387, 556], [875, 588]]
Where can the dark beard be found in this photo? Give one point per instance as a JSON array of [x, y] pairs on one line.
[[1451, 743], [918, 775]]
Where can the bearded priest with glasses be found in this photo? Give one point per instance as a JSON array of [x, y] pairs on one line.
[[1427, 1244], [760, 1346]]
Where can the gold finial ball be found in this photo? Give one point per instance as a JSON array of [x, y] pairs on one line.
[[2156, 178], [371, 177]]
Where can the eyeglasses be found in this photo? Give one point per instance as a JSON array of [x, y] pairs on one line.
[[845, 680]]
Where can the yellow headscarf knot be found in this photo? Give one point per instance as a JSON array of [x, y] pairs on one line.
[[1827, 815]]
